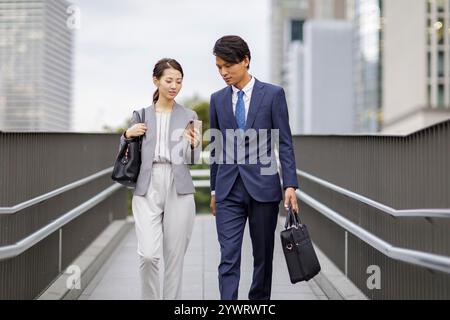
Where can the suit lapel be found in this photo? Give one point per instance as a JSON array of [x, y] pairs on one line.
[[149, 141], [257, 95], [150, 120], [176, 119], [228, 103]]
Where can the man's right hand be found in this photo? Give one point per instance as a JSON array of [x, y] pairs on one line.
[[213, 205]]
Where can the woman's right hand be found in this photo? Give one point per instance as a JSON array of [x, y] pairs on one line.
[[137, 130]]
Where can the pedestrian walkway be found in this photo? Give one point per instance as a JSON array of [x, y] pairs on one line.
[[118, 279]]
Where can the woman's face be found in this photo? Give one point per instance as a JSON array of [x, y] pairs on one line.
[[169, 84]]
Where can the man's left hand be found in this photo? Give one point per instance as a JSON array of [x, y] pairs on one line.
[[290, 198]]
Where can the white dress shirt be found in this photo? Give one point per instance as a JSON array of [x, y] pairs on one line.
[[162, 150], [248, 90]]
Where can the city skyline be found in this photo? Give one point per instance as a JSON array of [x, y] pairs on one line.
[[54, 78]]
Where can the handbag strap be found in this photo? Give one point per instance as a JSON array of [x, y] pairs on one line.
[[141, 119], [143, 115]]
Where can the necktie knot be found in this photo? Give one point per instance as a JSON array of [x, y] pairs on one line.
[[240, 94]]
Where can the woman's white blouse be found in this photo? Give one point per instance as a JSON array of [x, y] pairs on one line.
[[162, 150]]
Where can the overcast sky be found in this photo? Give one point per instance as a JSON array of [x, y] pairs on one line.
[[120, 41]]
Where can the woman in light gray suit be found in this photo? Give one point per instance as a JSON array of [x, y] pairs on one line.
[[163, 201]]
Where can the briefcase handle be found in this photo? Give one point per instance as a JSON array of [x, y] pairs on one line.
[[292, 219]]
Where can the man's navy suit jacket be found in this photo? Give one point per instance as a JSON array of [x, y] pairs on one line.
[[268, 110]]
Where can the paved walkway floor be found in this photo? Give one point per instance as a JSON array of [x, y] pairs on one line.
[[118, 279]]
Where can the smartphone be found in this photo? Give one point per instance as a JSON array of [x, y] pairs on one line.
[[197, 125]]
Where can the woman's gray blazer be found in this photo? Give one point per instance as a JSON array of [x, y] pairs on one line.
[[181, 153]]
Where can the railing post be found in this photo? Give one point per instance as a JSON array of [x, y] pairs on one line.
[[60, 251], [346, 253]]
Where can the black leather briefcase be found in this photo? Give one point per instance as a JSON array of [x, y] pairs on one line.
[[298, 250]]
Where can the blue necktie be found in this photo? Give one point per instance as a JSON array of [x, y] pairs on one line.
[[240, 110]]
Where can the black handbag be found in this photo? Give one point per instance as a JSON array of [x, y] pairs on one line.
[[128, 161], [301, 258]]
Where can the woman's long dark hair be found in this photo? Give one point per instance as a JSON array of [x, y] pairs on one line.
[[158, 71]]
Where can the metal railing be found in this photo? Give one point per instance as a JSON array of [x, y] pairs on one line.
[[424, 259], [430, 213], [353, 182], [11, 251], [362, 198], [200, 174], [419, 258], [21, 206], [56, 199]]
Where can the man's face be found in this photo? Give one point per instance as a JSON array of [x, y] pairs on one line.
[[232, 73]]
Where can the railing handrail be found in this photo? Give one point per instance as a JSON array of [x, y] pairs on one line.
[[10, 251], [439, 213], [420, 258], [201, 183], [200, 173], [23, 205], [432, 261], [13, 250], [428, 260], [408, 213]]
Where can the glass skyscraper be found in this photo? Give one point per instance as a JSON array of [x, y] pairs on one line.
[[367, 46], [438, 53], [35, 65]]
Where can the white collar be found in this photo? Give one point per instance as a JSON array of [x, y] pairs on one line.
[[247, 89]]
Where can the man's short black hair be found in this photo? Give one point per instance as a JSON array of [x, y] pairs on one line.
[[232, 49]]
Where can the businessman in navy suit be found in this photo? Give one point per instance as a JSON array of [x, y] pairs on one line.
[[243, 189]]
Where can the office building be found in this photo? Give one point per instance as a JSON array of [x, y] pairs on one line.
[[416, 71], [36, 65], [327, 79]]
